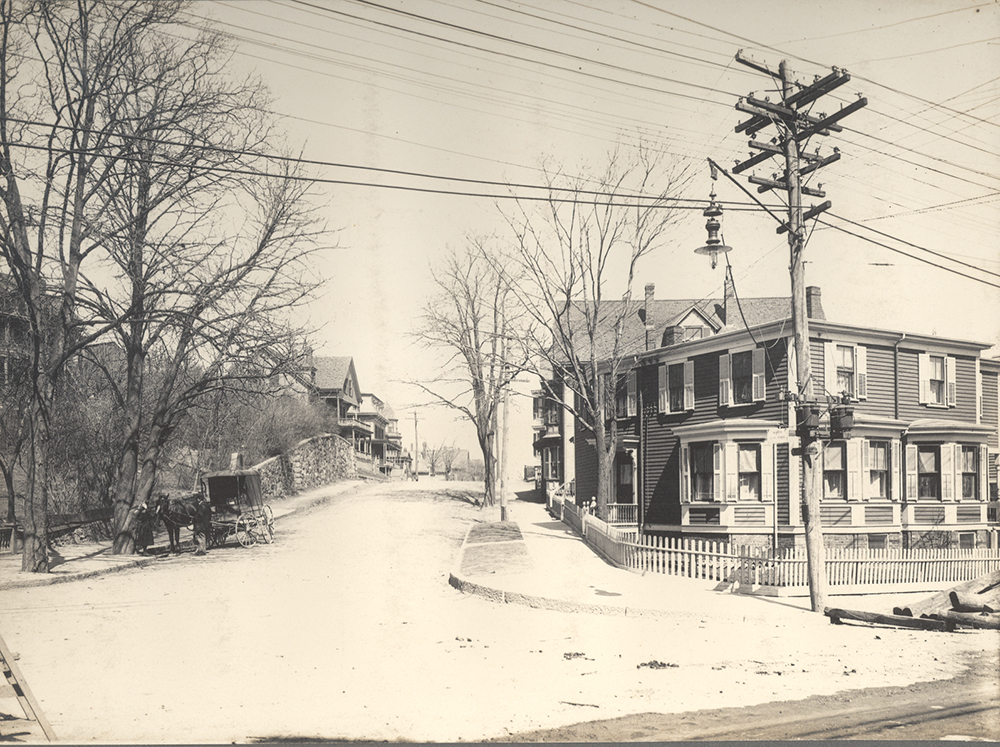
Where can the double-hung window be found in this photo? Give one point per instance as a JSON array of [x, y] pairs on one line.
[[703, 457], [749, 472], [835, 470], [846, 369], [969, 468], [676, 387], [550, 463], [928, 472], [742, 377], [879, 474], [937, 380], [625, 395]]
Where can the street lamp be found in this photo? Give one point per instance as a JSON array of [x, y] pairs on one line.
[[713, 244]]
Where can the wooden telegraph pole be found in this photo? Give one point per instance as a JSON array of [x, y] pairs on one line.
[[795, 127]]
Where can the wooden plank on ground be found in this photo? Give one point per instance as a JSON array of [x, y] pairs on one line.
[[941, 602], [899, 621]]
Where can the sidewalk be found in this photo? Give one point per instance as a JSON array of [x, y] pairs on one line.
[[538, 561], [71, 562]]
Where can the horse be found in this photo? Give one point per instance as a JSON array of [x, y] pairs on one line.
[[189, 510]]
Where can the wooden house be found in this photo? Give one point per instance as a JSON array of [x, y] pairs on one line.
[[707, 435]]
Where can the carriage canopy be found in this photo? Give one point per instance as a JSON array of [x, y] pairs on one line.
[[233, 491]]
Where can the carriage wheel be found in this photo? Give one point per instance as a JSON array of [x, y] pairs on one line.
[[246, 533], [265, 526]]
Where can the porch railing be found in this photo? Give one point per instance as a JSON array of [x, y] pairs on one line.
[[782, 572], [623, 513]]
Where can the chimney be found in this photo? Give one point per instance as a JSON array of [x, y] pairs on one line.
[[814, 303], [728, 297], [650, 322]]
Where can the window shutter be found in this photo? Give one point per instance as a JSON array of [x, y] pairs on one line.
[[830, 367], [767, 471], [717, 472], [725, 382], [759, 387], [924, 374], [854, 482], [732, 471], [688, 385], [896, 475], [911, 473], [861, 372], [685, 474], [979, 394], [663, 400], [984, 473], [949, 374], [947, 471], [630, 404], [866, 465]]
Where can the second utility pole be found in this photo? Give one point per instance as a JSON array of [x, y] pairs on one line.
[[812, 471], [795, 128]]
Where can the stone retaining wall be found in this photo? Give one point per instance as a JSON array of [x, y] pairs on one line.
[[312, 463]]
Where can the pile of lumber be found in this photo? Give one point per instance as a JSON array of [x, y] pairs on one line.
[[972, 604]]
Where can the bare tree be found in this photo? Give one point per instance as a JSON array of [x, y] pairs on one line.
[[571, 254], [474, 320], [123, 149], [56, 61]]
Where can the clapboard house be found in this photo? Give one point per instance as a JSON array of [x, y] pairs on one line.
[[707, 432]]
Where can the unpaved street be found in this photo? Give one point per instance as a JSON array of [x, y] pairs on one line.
[[347, 628]]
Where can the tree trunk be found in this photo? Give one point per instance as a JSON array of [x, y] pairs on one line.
[[124, 499], [35, 552], [605, 448], [8, 478]]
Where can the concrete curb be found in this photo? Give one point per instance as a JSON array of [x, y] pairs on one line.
[[501, 596]]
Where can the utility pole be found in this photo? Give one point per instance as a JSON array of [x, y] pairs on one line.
[[795, 127], [504, 440], [416, 449]]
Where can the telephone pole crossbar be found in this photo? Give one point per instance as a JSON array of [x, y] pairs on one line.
[[794, 130]]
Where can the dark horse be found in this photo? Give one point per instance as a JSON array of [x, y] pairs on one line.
[[189, 510]]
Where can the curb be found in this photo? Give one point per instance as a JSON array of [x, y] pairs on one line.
[[49, 579], [501, 596]]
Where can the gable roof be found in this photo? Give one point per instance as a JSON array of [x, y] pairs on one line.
[[333, 373], [667, 313]]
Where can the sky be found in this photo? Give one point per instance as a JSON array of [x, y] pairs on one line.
[[417, 114]]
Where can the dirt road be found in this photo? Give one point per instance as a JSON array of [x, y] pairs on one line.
[[347, 628]]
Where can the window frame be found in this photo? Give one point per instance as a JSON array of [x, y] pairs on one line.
[[832, 369], [938, 451], [710, 452], [841, 471], [664, 403], [928, 394], [961, 474], [758, 377], [871, 446]]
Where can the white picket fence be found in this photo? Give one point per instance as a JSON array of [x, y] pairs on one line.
[[782, 572]]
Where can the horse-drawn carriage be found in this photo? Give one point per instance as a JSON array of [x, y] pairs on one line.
[[238, 508]]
